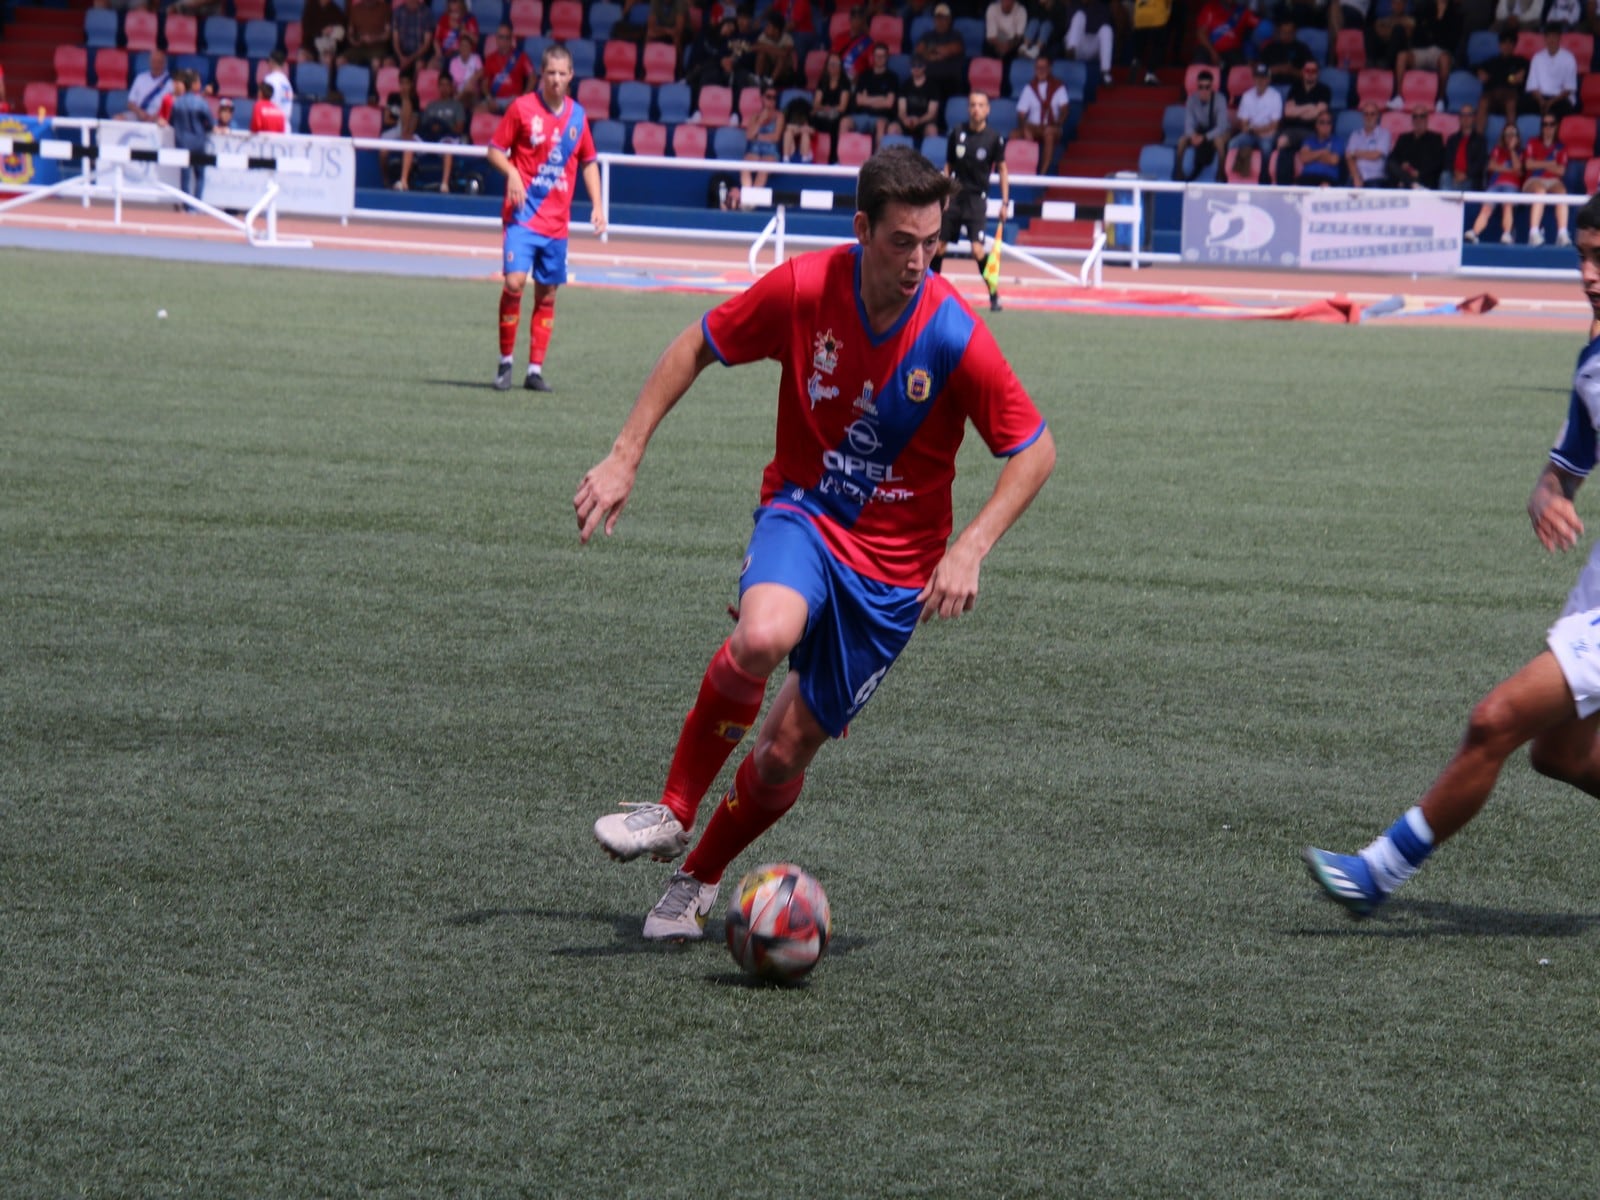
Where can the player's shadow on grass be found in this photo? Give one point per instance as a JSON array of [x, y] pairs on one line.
[[625, 935], [1405, 918]]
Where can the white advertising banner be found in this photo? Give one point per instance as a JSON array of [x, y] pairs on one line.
[[315, 176], [1401, 230], [136, 135]]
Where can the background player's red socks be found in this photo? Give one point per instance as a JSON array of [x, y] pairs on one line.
[[510, 318], [750, 808], [544, 320], [729, 700]]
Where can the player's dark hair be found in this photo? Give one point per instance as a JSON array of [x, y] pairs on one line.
[[555, 51], [899, 175], [1589, 214]]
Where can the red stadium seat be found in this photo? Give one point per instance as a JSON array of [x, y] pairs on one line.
[[1529, 43], [816, 63], [839, 23], [39, 97], [1589, 93], [986, 75], [72, 66], [566, 20], [620, 61], [387, 83], [821, 147], [890, 30], [140, 29], [110, 69], [182, 34], [595, 96], [716, 105], [1419, 87], [1240, 80], [1582, 47], [1396, 121], [1350, 50], [1192, 76], [293, 31], [1022, 157], [1446, 125], [1591, 176], [649, 137], [249, 10], [484, 123], [427, 87], [366, 121], [749, 102], [660, 63], [1577, 134], [689, 141], [854, 148], [233, 77], [1375, 84], [325, 120], [527, 18]]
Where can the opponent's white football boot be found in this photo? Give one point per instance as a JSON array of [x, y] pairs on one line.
[[649, 829], [680, 914]]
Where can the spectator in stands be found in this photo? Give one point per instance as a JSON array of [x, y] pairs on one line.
[[946, 55], [1437, 32], [1090, 37], [742, 45], [800, 21], [1152, 38], [664, 21], [369, 34], [1316, 163], [465, 68], [1503, 78], [266, 116], [506, 72], [1005, 31], [1284, 55], [413, 35], [854, 45], [830, 103], [443, 122], [1256, 120], [180, 84], [192, 124], [1349, 14], [456, 22], [1243, 165], [1417, 159], [1222, 31], [877, 97], [1205, 129], [1517, 15], [1366, 150], [1042, 111], [1506, 172], [401, 113], [1307, 100], [224, 114], [1546, 165], [1391, 34], [149, 87], [1553, 76], [1306, 14], [763, 133], [322, 32], [277, 78], [918, 107], [711, 58], [1466, 155], [799, 139], [775, 57]]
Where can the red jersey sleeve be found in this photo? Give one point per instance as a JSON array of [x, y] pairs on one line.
[[505, 133], [755, 324], [997, 404]]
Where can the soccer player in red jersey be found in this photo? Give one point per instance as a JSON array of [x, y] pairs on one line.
[[883, 366], [267, 117], [540, 146]]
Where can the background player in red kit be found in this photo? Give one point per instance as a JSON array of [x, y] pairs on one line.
[[883, 366], [540, 146]]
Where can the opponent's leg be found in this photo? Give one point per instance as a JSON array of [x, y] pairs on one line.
[[539, 330], [510, 320]]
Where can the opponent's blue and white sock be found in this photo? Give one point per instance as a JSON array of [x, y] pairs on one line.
[[1397, 854]]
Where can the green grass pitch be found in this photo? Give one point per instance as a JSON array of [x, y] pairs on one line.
[[309, 697]]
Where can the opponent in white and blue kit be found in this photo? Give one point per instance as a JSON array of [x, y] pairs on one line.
[[1553, 702]]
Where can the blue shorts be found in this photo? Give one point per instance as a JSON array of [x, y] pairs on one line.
[[855, 627], [545, 256]]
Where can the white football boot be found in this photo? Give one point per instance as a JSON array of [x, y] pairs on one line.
[[649, 829], [680, 915]]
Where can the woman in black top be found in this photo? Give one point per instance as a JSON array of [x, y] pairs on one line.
[[830, 102]]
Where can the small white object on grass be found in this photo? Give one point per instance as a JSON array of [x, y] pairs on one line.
[[161, 314]]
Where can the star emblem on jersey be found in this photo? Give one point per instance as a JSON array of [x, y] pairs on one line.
[[825, 355], [919, 385]]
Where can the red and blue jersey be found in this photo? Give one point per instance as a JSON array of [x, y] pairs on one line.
[[869, 425], [547, 149]]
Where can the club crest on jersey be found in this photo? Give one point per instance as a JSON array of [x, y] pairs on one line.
[[817, 392], [825, 355], [919, 385], [864, 401], [536, 130]]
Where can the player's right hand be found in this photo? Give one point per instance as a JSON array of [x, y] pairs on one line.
[[602, 495], [1556, 523]]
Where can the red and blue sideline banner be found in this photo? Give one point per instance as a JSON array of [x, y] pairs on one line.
[[17, 168]]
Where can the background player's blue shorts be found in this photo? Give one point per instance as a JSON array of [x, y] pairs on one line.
[[545, 256], [856, 627]]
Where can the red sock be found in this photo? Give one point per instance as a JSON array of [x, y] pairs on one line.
[[750, 808], [544, 320], [723, 712], [510, 318]]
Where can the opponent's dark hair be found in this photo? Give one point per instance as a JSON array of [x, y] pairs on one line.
[[1589, 214], [899, 175]]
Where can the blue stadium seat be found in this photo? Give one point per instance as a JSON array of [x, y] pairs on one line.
[[1020, 76], [1484, 44], [219, 36], [673, 103], [1003, 116], [284, 11], [632, 100], [971, 31], [955, 111], [138, 62], [896, 139], [1462, 88], [1172, 120], [310, 82], [602, 16], [1338, 81], [101, 28], [489, 14], [1156, 162], [584, 54], [1346, 123], [610, 137], [1074, 76], [727, 141], [534, 48], [78, 102], [260, 39], [1316, 41], [200, 64], [934, 148], [354, 82], [116, 101]]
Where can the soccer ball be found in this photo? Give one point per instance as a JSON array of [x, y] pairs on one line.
[[778, 922]]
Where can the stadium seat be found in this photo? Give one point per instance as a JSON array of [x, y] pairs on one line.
[[986, 75], [1240, 79], [1375, 84], [488, 14], [38, 97], [80, 101], [1003, 116], [672, 103], [484, 123], [1589, 94], [365, 120], [1591, 176], [971, 31], [816, 62], [660, 63], [728, 141], [1350, 50], [1582, 47], [114, 101], [610, 137], [233, 77], [1482, 45], [566, 20], [1018, 77], [198, 63], [1173, 118], [260, 38], [140, 30], [1461, 89], [584, 56], [595, 96], [388, 83], [182, 34], [1396, 121], [1445, 124], [219, 35], [919, 25], [1337, 80], [1316, 41], [1529, 43], [293, 31], [527, 18], [1022, 157], [838, 23], [250, 10], [897, 139], [100, 30], [1156, 162], [1419, 87], [890, 30], [1345, 123], [634, 101], [854, 148], [716, 105], [354, 82], [325, 120], [620, 60], [1577, 133], [427, 87], [603, 16], [749, 102], [310, 81], [955, 111], [110, 68], [72, 66], [289, 10], [1192, 76], [689, 141], [934, 147], [650, 138]]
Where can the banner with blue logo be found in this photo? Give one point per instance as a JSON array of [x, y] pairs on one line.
[[26, 168], [1244, 227]]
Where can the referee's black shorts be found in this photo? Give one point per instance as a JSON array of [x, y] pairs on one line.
[[966, 210]]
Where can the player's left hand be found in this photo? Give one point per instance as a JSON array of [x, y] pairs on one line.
[[598, 220], [953, 587], [602, 495]]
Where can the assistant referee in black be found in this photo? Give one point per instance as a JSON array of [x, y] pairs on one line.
[[974, 152]]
